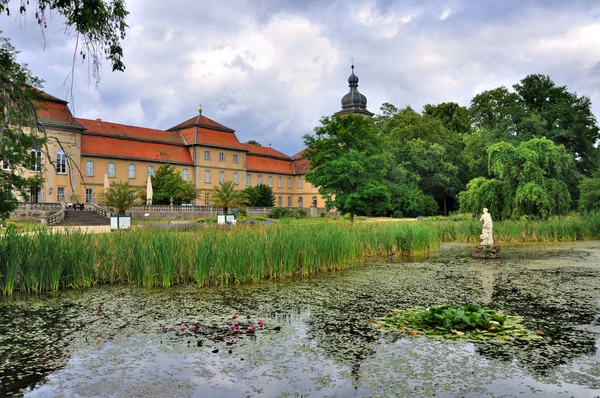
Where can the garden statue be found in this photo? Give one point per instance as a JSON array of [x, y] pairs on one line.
[[486, 233], [486, 248]]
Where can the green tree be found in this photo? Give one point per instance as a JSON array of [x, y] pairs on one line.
[[260, 196], [99, 27], [121, 196], [453, 116], [539, 108], [430, 154], [253, 142], [168, 183], [347, 161], [226, 195], [529, 179], [589, 198]]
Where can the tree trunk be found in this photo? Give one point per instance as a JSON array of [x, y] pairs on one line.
[[352, 216]]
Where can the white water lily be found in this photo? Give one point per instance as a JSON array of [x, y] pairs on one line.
[[494, 322]]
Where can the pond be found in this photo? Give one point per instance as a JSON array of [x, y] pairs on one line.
[[123, 341]]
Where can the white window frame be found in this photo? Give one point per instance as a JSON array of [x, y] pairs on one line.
[[221, 176], [207, 176], [289, 182], [221, 156], [185, 174], [289, 201], [150, 171], [299, 182], [131, 171], [89, 195], [206, 199], [248, 180], [6, 165], [235, 158], [279, 201], [259, 181], [300, 201], [279, 182], [235, 178], [270, 181], [61, 161], [37, 164], [89, 168], [111, 173], [206, 155], [61, 193]]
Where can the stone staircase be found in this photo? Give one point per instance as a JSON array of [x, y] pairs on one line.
[[84, 217]]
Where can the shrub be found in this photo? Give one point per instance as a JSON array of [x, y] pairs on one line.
[[280, 212], [322, 214], [300, 213]]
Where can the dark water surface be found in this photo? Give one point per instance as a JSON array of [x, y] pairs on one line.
[[108, 342]]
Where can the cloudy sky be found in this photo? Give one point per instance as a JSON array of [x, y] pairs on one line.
[[271, 69]]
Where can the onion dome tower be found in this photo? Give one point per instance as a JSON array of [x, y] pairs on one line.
[[354, 102]]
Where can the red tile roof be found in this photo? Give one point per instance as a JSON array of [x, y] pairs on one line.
[[299, 155], [129, 132], [53, 110], [110, 147], [270, 165], [265, 151], [301, 166], [217, 138], [204, 122]]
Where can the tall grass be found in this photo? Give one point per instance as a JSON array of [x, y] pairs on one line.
[[557, 229], [206, 256], [221, 256]]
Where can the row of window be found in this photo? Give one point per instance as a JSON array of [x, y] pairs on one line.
[[259, 181], [111, 170], [61, 195], [36, 161], [221, 156], [221, 177]]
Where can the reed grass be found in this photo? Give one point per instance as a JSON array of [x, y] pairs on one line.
[[208, 256], [155, 257]]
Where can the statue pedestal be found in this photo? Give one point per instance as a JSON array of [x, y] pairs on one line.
[[487, 251]]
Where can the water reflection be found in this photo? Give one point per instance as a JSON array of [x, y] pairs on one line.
[[325, 346]]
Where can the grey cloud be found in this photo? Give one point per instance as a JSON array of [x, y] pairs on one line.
[[480, 45]]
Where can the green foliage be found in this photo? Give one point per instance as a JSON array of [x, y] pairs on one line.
[[589, 198], [529, 180], [99, 27], [300, 213], [280, 212], [539, 108], [260, 196], [18, 128], [426, 158], [120, 196], [168, 183], [347, 161], [226, 195], [253, 142], [467, 322]]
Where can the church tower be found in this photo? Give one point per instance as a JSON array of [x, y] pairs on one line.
[[354, 102]]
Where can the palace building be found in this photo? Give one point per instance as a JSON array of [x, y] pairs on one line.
[[85, 151]]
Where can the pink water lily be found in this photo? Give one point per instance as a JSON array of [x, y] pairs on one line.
[[183, 327], [250, 329], [234, 316], [260, 321]]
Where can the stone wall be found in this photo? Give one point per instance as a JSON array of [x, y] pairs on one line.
[[34, 211]]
